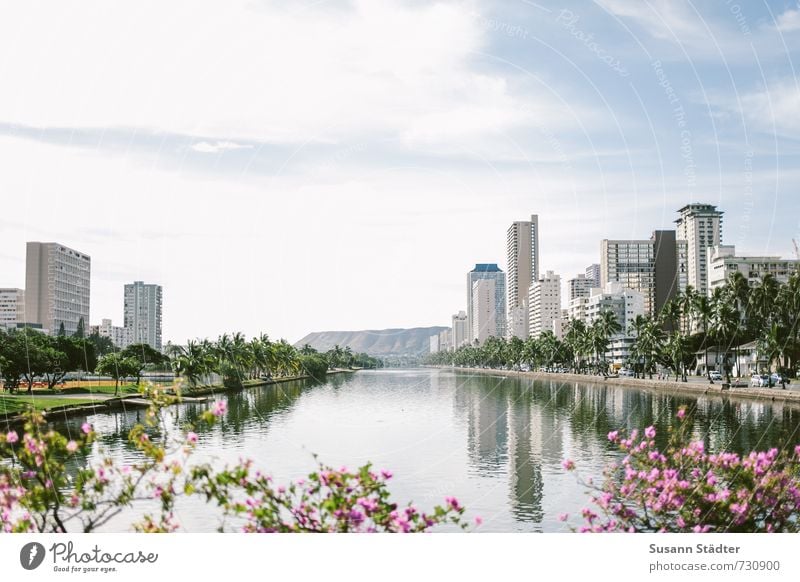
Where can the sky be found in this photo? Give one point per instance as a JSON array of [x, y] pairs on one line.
[[290, 167]]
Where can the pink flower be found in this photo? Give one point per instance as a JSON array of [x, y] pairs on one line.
[[72, 446], [613, 436], [191, 438], [452, 502], [478, 520], [220, 408], [12, 437], [568, 464], [681, 412], [86, 428], [650, 432], [386, 474], [563, 517]]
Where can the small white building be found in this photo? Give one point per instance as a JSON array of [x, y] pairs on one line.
[[12, 307], [119, 336]]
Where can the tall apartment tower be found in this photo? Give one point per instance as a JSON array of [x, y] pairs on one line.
[[700, 225], [143, 314], [544, 300], [580, 286], [656, 268], [460, 330], [593, 275], [493, 273], [57, 283], [523, 269], [484, 310]]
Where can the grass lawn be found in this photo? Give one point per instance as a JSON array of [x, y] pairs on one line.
[[21, 402], [124, 389]]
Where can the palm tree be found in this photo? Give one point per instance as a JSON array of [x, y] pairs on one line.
[[649, 342], [677, 348], [702, 310], [724, 327], [193, 361], [603, 329]]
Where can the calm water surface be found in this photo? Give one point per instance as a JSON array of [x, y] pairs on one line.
[[495, 443]]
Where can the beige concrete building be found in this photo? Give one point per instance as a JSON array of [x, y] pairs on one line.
[[523, 269], [12, 307], [484, 310], [544, 300], [700, 225], [723, 262], [57, 287]]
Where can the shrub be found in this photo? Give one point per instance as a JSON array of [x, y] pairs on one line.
[[684, 488]]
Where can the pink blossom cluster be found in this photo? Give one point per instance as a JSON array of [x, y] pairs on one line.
[[685, 489], [328, 500]]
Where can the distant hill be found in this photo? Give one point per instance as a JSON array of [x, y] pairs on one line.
[[383, 342]]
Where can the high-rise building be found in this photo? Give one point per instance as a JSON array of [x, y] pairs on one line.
[[446, 340], [593, 275], [544, 301], [12, 307], [492, 272], [723, 262], [460, 330], [656, 267], [523, 269], [57, 285], [579, 286], [143, 314], [700, 225], [484, 310]]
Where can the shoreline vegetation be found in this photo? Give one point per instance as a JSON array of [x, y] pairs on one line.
[[54, 407], [662, 386], [36, 368]]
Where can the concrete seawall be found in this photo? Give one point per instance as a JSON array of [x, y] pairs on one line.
[[659, 386]]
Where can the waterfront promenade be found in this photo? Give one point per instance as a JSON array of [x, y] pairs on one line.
[[790, 395]]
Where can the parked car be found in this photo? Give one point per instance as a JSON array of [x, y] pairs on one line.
[[760, 381], [715, 375], [778, 379], [625, 372]]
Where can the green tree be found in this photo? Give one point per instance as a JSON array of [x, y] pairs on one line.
[[117, 367]]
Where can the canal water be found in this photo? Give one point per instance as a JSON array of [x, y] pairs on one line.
[[495, 443]]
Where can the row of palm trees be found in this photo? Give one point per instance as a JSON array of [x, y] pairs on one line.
[[236, 359], [691, 323]]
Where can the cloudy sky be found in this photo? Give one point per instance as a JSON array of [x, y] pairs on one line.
[[317, 165]]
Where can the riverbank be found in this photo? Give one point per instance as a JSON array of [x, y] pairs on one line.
[[95, 403], [660, 386]]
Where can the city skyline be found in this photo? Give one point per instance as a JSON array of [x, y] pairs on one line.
[[278, 192]]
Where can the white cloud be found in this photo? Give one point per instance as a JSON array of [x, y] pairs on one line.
[[218, 146], [663, 19], [244, 70], [771, 109], [789, 21]]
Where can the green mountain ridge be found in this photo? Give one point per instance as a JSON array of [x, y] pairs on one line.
[[383, 342]]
